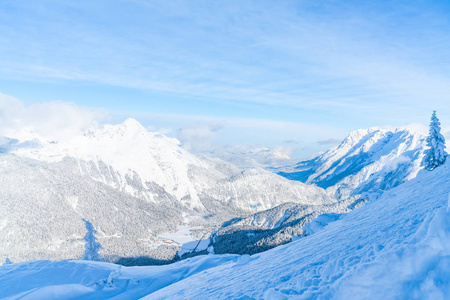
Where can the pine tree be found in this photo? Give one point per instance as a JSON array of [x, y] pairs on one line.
[[435, 155], [92, 245]]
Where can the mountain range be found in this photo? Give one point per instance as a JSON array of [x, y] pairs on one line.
[[367, 161], [136, 186], [394, 247], [132, 185]]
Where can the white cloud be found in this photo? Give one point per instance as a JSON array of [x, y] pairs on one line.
[[55, 120], [199, 137], [258, 53], [446, 133], [165, 130]]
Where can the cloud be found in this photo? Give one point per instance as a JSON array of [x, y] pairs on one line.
[[55, 120], [223, 131], [307, 54], [165, 130], [329, 142], [199, 137], [59, 120], [446, 133]]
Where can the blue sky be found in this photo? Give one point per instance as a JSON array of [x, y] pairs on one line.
[[279, 73]]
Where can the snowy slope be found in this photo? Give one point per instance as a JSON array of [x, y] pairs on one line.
[[132, 185], [96, 280], [367, 160], [128, 148], [276, 226], [128, 151], [395, 247], [289, 212], [42, 206]]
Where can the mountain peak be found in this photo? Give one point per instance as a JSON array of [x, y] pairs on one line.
[[131, 123], [370, 159]]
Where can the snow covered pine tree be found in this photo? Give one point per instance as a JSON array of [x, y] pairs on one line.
[[92, 245], [435, 155]]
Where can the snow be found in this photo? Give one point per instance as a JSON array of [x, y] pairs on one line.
[[367, 160], [183, 235], [127, 156], [395, 247], [97, 280], [132, 185], [194, 246], [247, 157], [320, 222], [185, 239], [435, 155], [165, 162]]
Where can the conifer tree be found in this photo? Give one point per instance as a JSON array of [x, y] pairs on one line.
[[435, 155]]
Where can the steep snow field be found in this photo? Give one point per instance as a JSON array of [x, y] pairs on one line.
[[395, 247]]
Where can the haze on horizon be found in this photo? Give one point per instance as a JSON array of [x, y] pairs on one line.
[[292, 75]]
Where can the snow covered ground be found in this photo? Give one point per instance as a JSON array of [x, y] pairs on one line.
[[186, 240], [96, 280], [395, 247]]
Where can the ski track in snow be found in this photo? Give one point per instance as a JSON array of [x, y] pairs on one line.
[[396, 247]]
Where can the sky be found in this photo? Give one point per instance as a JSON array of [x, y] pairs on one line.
[[290, 75]]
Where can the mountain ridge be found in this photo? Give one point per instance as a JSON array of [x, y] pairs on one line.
[[366, 160], [398, 245], [92, 176]]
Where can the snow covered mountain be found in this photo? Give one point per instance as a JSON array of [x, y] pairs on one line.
[[394, 247], [132, 185], [247, 157], [276, 226], [367, 160]]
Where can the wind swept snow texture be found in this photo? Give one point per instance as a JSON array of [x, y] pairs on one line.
[[367, 160], [45, 280], [395, 247]]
